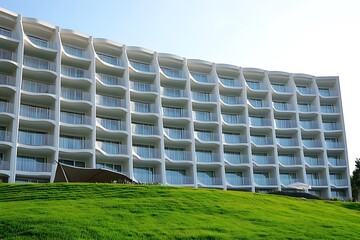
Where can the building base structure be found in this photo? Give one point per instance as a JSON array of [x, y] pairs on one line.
[[159, 118]]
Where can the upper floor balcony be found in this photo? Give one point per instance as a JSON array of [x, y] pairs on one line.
[[334, 143], [329, 109], [6, 107], [111, 124], [261, 140], [234, 138], [283, 106], [280, 88], [230, 82], [260, 121], [306, 108], [233, 118], [76, 52], [7, 80], [7, 55], [142, 67], [203, 97], [35, 138], [336, 161], [231, 100], [236, 157], [74, 118], [173, 73], [39, 63], [144, 129], [326, 92], [74, 72], [256, 86], [172, 112], [5, 136], [145, 151], [201, 77], [8, 33], [112, 102], [237, 179], [205, 156], [289, 160], [262, 159], [36, 112], [110, 147], [109, 59], [144, 107], [110, 80], [205, 116], [305, 90], [173, 92], [74, 142], [287, 141], [289, 178], [338, 180], [206, 136], [332, 126], [314, 160], [285, 123], [312, 143], [208, 178], [258, 103], [314, 181], [37, 87], [75, 94], [178, 154], [264, 179], [32, 164], [143, 87], [177, 133], [309, 124]]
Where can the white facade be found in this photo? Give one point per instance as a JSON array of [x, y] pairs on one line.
[[90, 102]]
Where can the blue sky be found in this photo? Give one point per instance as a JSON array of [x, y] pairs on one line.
[[314, 37]]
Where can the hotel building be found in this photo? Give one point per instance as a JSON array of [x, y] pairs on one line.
[[156, 117]]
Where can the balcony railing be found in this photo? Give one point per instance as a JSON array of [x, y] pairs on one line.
[[4, 165], [306, 90], [337, 162], [233, 118], [314, 161], [109, 59], [309, 124], [262, 159], [207, 157], [285, 123], [330, 144], [39, 63], [231, 100], [307, 108], [5, 136], [230, 82], [260, 121], [175, 112], [37, 87], [7, 55], [107, 101], [312, 143], [339, 182], [257, 86], [69, 143], [265, 181], [143, 107], [234, 138], [174, 73], [74, 118], [317, 182], [74, 72], [332, 126], [283, 106], [288, 181], [180, 180], [205, 116], [281, 88], [74, 94], [111, 124], [142, 177], [287, 142], [143, 67], [173, 92], [237, 180], [289, 161], [36, 139], [328, 93], [258, 103], [207, 136], [110, 80], [177, 133], [8, 33], [147, 152], [143, 129], [7, 80], [325, 109], [235, 158], [111, 148], [201, 77], [203, 97], [6, 107], [210, 181], [142, 87], [262, 140], [178, 155], [41, 42], [77, 52], [33, 166], [36, 112]]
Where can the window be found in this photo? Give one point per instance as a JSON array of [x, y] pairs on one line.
[[284, 123], [262, 178], [72, 118], [202, 96], [32, 164], [230, 137], [313, 179], [77, 52], [72, 142], [108, 101], [177, 133], [281, 106], [109, 146], [233, 157], [109, 166], [175, 73], [305, 107], [254, 85], [173, 112], [257, 121], [176, 153], [255, 102], [205, 135], [175, 176], [72, 72], [32, 138], [312, 160], [39, 41], [234, 178], [144, 174], [260, 158], [73, 163], [206, 177], [330, 125], [203, 115], [111, 124], [231, 118], [140, 66], [110, 80], [230, 99], [74, 94], [204, 156], [142, 107], [34, 111], [228, 81], [36, 87], [173, 92], [144, 129], [201, 77], [141, 86], [146, 151], [324, 92], [287, 159], [5, 32], [107, 58], [328, 108], [259, 139], [287, 178], [303, 89], [279, 87]]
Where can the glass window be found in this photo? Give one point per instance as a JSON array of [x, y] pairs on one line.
[[206, 177], [204, 156], [144, 174]]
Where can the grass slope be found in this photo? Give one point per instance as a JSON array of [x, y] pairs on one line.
[[111, 211]]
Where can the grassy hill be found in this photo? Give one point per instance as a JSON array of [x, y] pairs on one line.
[[111, 211]]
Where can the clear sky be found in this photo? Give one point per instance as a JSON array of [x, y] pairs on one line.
[[300, 36]]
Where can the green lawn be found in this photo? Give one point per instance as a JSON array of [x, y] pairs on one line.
[[112, 211]]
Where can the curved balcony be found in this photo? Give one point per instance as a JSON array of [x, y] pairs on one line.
[[209, 181], [263, 159], [234, 139], [285, 124], [33, 166], [334, 145], [4, 165], [304, 90], [288, 161], [233, 119], [180, 180], [309, 125], [174, 93], [283, 107], [143, 87], [260, 122], [75, 144], [337, 162], [144, 108], [40, 46], [332, 126], [75, 96], [142, 67], [76, 74], [39, 114], [38, 88], [237, 180], [314, 161], [110, 102], [175, 134], [230, 82], [287, 142], [339, 182], [317, 182], [329, 109], [108, 60], [10, 37], [174, 113], [256, 86], [288, 181], [207, 157], [5, 138], [75, 120], [7, 55], [75, 53], [201, 78], [145, 130], [203, 116], [312, 143], [235, 158], [35, 139], [174, 74], [39, 64], [281, 89], [258, 104], [111, 148], [110, 81], [7, 81], [146, 154], [205, 136], [203, 98], [265, 181], [178, 155], [110, 125], [307, 108], [328, 93], [6, 107], [231, 100]]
